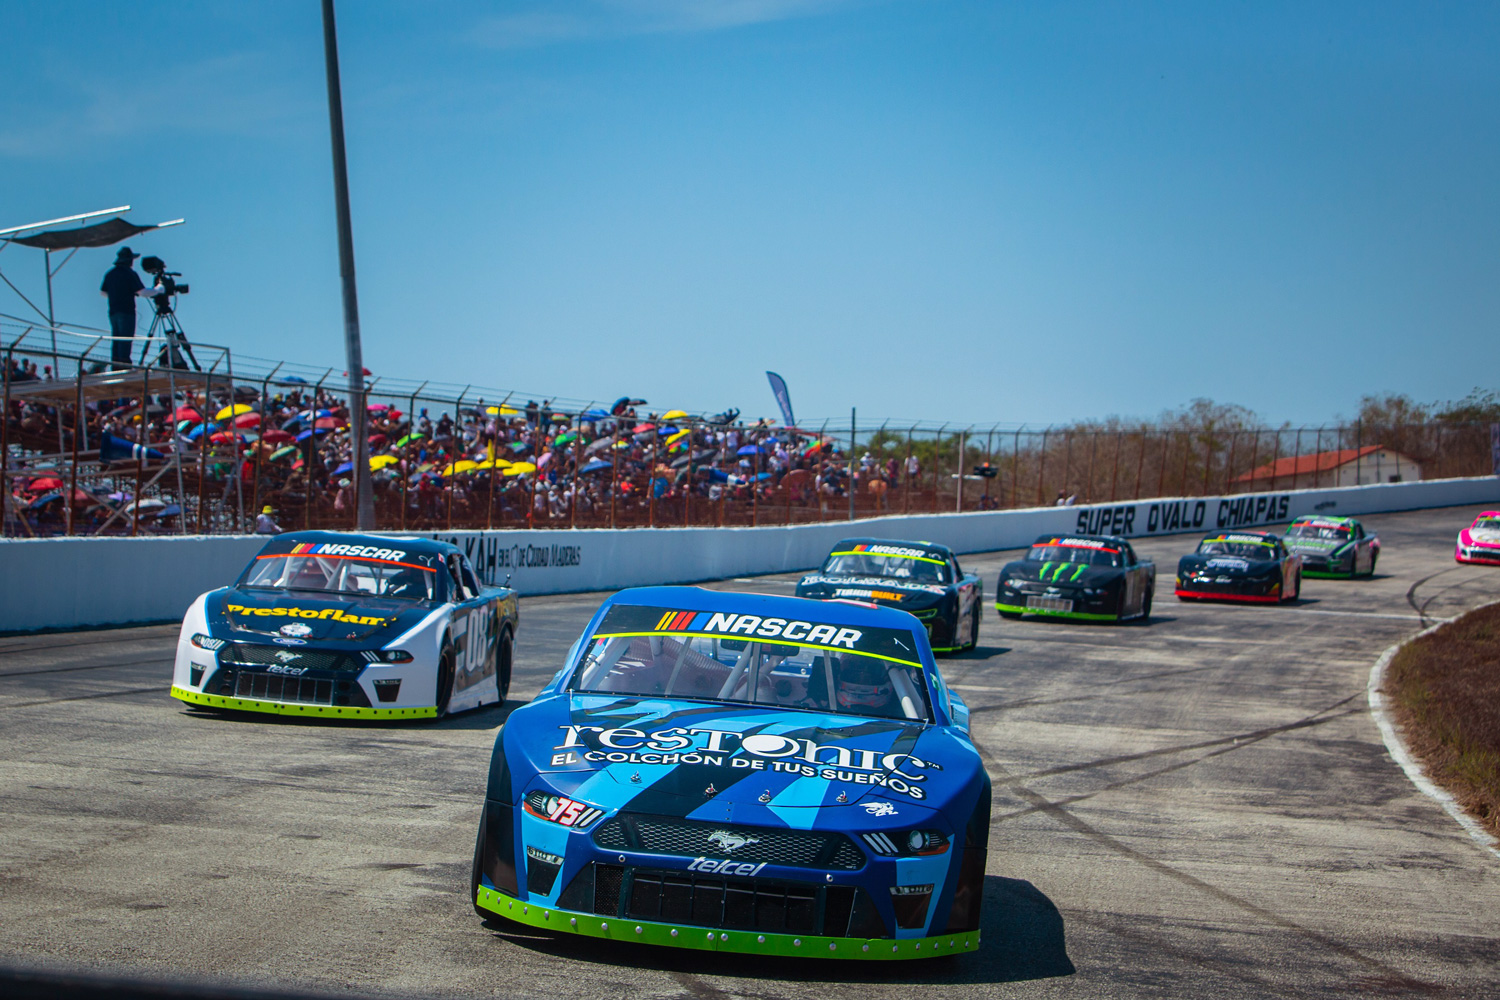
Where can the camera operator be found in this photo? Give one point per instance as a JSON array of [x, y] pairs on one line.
[[121, 286]]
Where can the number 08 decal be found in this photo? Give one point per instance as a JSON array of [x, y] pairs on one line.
[[474, 639]]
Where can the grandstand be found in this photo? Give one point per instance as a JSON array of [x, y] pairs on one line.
[[154, 449]]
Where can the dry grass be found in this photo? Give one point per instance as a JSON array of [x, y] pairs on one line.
[[1445, 690]]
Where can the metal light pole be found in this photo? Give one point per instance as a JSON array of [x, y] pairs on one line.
[[358, 413]]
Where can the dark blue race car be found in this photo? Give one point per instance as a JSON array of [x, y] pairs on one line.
[[336, 625], [742, 773]]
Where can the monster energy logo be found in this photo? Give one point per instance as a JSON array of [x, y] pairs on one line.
[[1063, 568]]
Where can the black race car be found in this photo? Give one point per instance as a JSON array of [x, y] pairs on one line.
[[1082, 577], [917, 577], [1240, 566]]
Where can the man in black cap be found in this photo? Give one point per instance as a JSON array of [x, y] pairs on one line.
[[121, 286]]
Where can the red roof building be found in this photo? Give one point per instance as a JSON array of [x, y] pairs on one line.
[[1345, 467]]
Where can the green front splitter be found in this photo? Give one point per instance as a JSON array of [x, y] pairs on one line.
[[1082, 616], [1318, 574], [282, 708], [741, 942]]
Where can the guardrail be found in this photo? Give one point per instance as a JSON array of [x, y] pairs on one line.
[[78, 582]]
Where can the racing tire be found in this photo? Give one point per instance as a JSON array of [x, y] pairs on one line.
[[445, 674], [1146, 607], [974, 627], [1373, 560], [504, 657]]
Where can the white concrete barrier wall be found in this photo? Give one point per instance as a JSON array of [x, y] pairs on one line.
[[81, 582]]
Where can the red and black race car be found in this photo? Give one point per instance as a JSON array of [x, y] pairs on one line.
[[1240, 566]]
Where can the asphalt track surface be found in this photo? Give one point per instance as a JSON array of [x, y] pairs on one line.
[[1201, 807]]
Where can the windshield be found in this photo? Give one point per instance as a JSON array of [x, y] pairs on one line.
[[1075, 554], [1486, 524], [838, 671], [1241, 547], [389, 573], [896, 562], [1330, 532]]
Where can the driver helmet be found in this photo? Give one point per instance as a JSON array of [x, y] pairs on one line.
[[863, 684]]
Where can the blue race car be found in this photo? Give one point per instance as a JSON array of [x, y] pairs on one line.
[[741, 773]]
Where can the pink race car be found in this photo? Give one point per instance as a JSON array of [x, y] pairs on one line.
[[1480, 541]]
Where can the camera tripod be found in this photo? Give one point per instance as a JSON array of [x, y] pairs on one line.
[[175, 352]]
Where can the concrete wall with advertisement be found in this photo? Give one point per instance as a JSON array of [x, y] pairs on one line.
[[83, 582]]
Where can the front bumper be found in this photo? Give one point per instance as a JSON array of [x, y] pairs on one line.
[[1325, 567], [1255, 590], [745, 942], [1048, 601], [1477, 555], [290, 708]]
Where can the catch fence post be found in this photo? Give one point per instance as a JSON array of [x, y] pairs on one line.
[[140, 455], [1093, 451], [1166, 451], [1254, 454], [853, 447], [1041, 465], [1015, 469], [906, 476], [1296, 457], [204, 444], [5, 501], [1114, 471], [458, 433], [963, 463], [989, 451], [614, 473], [1140, 466], [937, 464], [1234, 437], [1359, 441], [1067, 459], [77, 422], [1208, 456], [411, 428]]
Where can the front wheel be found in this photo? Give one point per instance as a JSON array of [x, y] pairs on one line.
[[1146, 606], [974, 627], [504, 654], [1372, 564], [444, 680]]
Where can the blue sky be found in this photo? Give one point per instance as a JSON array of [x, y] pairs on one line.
[[931, 210]]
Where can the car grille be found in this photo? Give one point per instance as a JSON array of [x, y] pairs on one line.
[[255, 682], [689, 838], [772, 906], [312, 659]]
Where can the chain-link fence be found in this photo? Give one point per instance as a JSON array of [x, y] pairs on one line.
[[162, 449]]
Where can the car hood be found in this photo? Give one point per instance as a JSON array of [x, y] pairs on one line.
[[1060, 573], [1314, 544], [1230, 565], [1481, 536], [309, 616], [880, 589], [721, 762]]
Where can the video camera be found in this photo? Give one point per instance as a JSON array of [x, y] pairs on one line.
[[165, 280]]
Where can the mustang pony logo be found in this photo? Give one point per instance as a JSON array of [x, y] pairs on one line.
[[287, 657], [730, 842]]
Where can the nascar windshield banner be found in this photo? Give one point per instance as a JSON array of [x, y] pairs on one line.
[[882, 643]]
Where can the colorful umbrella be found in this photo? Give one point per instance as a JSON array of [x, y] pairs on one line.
[[346, 467], [461, 466], [674, 415], [567, 437], [409, 439], [680, 435], [749, 449], [595, 466], [281, 453], [378, 462], [186, 413], [518, 446], [234, 411], [560, 418], [277, 437], [498, 463], [501, 411], [329, 423], [520, 469], [245, 420], [378, 406]]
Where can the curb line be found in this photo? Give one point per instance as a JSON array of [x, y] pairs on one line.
[[1402, 755]]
